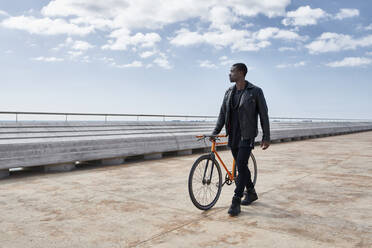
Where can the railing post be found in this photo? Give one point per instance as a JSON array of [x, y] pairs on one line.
[[66, 118], [16, 117], [137, 117], [105, 118]]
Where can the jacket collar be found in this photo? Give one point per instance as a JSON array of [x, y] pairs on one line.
[[248, 85]]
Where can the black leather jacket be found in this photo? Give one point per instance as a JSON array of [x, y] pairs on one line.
[[251, 105]]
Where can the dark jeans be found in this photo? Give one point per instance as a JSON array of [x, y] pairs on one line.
[[241, 156]]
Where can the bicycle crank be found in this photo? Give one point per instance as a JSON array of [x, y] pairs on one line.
[[228, 181]]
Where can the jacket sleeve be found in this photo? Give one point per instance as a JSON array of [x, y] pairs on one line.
[[221, 117], [264, 116]]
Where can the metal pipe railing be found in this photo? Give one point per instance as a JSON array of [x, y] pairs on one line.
[[163, 116], [105, 115]]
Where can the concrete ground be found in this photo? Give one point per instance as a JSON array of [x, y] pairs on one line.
[[312, 193]]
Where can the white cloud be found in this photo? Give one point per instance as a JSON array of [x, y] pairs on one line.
[[333, 42], [281, 66], [350, 62], [207, 64], [304, 16], [225, 61], [276, 33], [301, 63], [126, 20], [8, 52], [81, 45], [123, 39], [162, 61], [248, 25], [133, 25], [130, 14], [48, 59], [295, 65], [78, 45], [45, 26], [147, 54], [283, 49], [255, 7], [74, 54], [369, 27], [107, 60], [221, 17], [369, 53], [158, 13], [346, 13], [240, 40], [67, 43], [185, 37], [134, 64], [86, 59], [3, 13]]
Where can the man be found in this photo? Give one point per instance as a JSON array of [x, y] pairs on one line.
[[239, 112]]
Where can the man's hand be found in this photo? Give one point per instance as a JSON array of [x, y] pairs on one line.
[[211, 139], [265, 145]]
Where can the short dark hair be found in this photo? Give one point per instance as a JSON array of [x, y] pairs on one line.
[[241, 67]]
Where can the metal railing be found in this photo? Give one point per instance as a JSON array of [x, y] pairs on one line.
[[105, 115], [164, 116]]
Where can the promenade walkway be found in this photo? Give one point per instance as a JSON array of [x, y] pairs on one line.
[[312, 193]]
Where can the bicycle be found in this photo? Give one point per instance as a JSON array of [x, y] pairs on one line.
[[203, 172]]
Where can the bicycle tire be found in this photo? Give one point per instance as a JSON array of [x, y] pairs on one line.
[[254, 173], [202, 160]]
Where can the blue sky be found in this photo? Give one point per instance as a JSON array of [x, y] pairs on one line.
[[311, 58]]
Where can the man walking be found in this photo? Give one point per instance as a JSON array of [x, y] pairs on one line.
[[239, 112]]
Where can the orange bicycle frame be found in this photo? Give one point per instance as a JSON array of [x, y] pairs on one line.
[[213, 149]]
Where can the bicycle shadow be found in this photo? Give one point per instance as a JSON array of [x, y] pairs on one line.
[[213, 211], [266, 210]]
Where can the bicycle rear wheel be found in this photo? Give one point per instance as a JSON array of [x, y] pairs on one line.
[[252, 166], [205, 182]]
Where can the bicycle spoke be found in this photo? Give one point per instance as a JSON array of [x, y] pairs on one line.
[[210, 192], [204, 196], [198, 192]]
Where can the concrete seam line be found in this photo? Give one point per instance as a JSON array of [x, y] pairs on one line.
[[173, 229]]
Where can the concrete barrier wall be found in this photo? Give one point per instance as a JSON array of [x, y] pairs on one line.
[[27, 144]]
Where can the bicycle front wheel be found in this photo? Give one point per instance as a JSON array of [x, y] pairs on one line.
[[205, 182]]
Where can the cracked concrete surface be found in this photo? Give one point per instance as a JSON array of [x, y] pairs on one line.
[[312, 193]]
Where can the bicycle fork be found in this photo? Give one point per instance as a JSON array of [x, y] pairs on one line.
[[208, 181]]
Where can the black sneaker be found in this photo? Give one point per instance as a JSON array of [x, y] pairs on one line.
[[249, 197], [234, 209]]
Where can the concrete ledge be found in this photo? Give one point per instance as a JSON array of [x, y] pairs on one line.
[[59, 167], [201, 150], [153, 156], [112, 161], [4, 173], [29, 144], [184, 152]]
